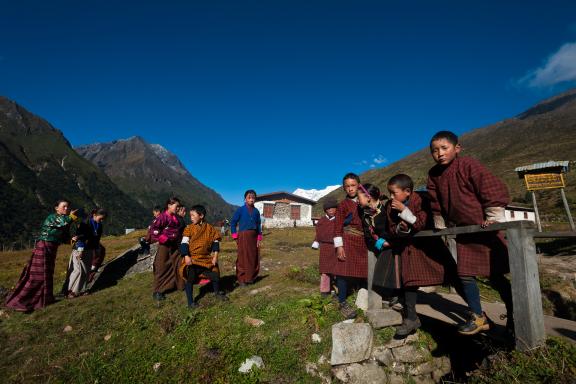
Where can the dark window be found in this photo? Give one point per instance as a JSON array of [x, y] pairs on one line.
[[295, 212], [268, 210]]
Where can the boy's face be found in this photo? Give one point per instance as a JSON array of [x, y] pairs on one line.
[[195, 217], [250, 199], [443, 151], [399, 194], [172, 208], [156, 213], [351, 187], [330, 212], [62, 208]]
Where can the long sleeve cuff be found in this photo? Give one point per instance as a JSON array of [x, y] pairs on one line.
[[234, 235], [439, 222], [260, 237], [496, 214], [338, 242], [407, 216], [315, 245]]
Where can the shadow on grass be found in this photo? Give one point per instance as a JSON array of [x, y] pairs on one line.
[[116, 269], [558, 247], [566, 333]]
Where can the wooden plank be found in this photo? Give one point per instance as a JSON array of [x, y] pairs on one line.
[[526, 296], [536, 213], [475, 229], [371, 268], [567, 208], [558, 235]]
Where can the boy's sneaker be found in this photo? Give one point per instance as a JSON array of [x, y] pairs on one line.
[[203, 282], [193, 305], [408, 326], [347, 311], [477, 323], [158, 296]]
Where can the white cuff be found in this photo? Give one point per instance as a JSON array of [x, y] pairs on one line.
[[439, 222], [407, 216], [338, 242], [399, 230], [315, 245], [185, 240], [495, 214]]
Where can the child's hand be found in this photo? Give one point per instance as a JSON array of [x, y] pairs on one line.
[[486, 223], [188, 260], [214, 260], [404, 226], [397, 205], [340, 254]]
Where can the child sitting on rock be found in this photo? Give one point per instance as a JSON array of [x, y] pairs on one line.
[[199, 250]]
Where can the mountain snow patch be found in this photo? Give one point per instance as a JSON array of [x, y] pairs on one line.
[[315, 194]]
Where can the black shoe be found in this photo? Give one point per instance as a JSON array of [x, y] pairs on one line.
[[408, 326], [221, 296], [477, 323], [325, 295], [158, 296], [193, 305], [347, 311]]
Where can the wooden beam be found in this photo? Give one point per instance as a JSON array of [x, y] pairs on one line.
[[526, 295]]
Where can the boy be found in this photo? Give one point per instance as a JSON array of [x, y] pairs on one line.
[[247, 232], [464, 192], [325, 241], [199, 250]]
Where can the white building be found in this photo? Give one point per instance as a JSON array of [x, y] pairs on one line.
[[283, 209], [514, 213]]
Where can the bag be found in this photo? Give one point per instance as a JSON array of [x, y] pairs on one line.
[[387, 273]]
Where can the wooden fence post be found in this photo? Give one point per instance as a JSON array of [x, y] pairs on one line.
[[526, 296], [371, 267]]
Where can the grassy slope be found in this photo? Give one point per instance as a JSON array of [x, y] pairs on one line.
[[206, 345]]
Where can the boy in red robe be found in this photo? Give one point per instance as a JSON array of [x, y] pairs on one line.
[[464, 192], [324, 240]]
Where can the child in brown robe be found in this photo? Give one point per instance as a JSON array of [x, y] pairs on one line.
[[324, 240], [464, 192]]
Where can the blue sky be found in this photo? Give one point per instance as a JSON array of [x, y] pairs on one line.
[[276, 95]]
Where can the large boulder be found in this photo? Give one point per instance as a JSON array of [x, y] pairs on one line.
[[381, 318]]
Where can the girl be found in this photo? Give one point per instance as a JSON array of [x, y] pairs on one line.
[[422, 261], [324, 241], [166, 230], [248, 236], [86, 248], [34, 289], [351, 251]]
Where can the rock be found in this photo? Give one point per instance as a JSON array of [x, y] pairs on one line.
[[4, 314], [383, 355], [311, 369], [260, 290], [398, 367], [381, 318], [423, 369], [443, 365], [68, 328], [430, 289], [322, 360], [107, 337], [316, 338], [368, 373], [395, 379], [395, 343], [351, 343], [156, 367], [253, 322], [410, 353], [363, 303], [423, 379], [249, 363], [349, 321]]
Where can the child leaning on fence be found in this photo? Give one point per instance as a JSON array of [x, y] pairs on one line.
[[464, 192]]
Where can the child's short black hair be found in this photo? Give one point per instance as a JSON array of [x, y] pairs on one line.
[[447, 135], [199, 209], [250, 191], [352, 176], [373, 191], [402, 181], [157, 208]]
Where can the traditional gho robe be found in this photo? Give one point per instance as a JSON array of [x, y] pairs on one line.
[[348, 232], [464, 193], [247, 230]]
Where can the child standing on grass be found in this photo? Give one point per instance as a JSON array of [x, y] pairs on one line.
[[247, 232], [423, 261], [199, 250], [351, 251], [34, 290], [325, 241], [464, 192], [166, 230]]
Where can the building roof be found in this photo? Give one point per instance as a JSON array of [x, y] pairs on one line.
[[549, 164], [282, 195]]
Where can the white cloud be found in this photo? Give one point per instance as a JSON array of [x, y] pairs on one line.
[[379, 159], [560, 67]]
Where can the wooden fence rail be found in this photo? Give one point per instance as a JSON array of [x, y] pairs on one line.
[[526, 296]]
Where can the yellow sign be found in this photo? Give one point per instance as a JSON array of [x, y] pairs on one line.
[[543, 181]]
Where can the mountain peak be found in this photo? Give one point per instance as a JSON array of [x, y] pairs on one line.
[[549, 105]]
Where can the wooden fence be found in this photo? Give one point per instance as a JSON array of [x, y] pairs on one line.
[[526, 296]]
